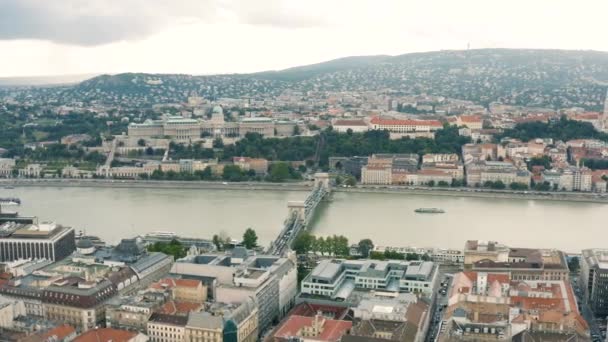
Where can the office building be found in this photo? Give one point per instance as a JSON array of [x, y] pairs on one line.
[[336, 279], [593, 279], [46, 240], [270, 280]]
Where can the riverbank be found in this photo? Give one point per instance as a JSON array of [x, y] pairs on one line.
[[149, 184], [306, 186], [484, 193]]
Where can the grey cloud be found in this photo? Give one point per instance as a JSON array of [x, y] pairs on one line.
[[95, 22]]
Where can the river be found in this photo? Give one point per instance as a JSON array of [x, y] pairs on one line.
[[388, 219]]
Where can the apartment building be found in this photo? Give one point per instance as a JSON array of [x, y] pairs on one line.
[[166, 328], [77, 302], [404, 317], [133, 312], [520, 263], [480, 172], [183, 290], [487, 306], [258, 165], [381, 174], [317, 328], [6, 167], [224, 322], [470, 121]]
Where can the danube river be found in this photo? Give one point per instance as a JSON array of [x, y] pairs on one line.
[[388, 219]]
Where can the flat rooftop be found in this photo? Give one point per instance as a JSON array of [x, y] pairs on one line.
[[327, 269], [42, 230]]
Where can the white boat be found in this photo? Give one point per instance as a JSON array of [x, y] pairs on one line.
[[161, 234], [430, 210]]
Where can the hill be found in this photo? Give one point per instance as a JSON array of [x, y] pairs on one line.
[[542, 78]]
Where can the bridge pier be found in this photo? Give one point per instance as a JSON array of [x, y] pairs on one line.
[[322, 179], [297, 207]]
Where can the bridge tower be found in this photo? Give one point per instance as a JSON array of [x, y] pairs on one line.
[[298, 207], [322, 178]]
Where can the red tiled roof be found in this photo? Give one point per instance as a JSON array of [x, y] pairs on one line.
[[171, 283], [59, 332], [470, 118], [310, 310], [350, 123], [587, 116], [179, 308], [332, 330], [431, 172], [535, 303], [398, 122], [105, 334], [492, 277]]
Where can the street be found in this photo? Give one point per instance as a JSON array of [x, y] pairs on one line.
[[446, 273], [597, 326]]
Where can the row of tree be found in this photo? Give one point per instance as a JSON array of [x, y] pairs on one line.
[[392, 255], [336, 245], [174, 248]]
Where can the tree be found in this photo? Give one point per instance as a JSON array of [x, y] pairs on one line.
[[303, 243], [499, 185], [366, 246], [250, 239], [296, 130], [443, 183], [232, 173], [341, 247], [350, 181], [431, 183], [218, 242], [174, 248], [544, 161], [412, 256], [141, 142], [218, 143], [518, 186], [573, 264], [279, 172], [323, 245]]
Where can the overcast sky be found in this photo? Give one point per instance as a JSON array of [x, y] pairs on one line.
[[53, 37]]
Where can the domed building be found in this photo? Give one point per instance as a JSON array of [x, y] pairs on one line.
[[217, 115], [85, 247]]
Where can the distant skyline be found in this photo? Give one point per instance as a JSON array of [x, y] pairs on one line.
[[41, 37]]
